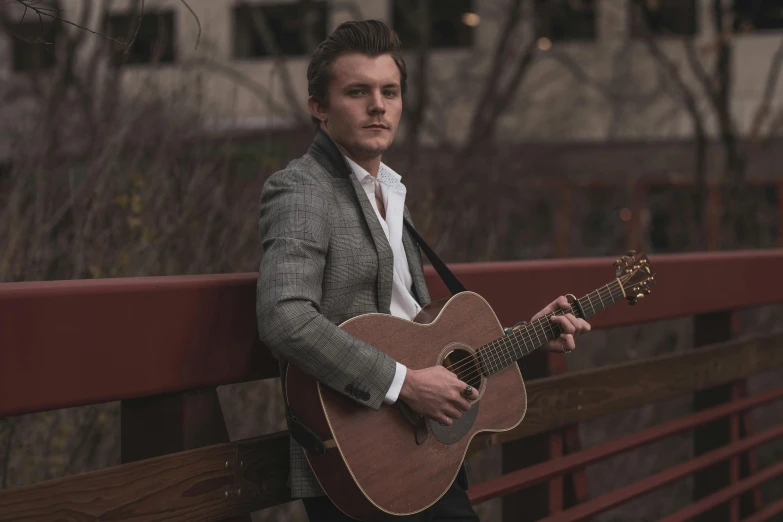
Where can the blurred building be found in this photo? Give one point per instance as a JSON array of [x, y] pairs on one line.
[[594, 79], [553, 101]]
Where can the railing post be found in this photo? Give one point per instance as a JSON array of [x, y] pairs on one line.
[[163, 424], [780, 214], [532, 503], [560, 492], [708, 329]]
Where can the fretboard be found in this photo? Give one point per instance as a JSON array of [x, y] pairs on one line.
[[510, 348]]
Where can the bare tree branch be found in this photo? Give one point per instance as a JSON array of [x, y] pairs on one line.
[[198, 22], [609, 91], [417, 14], [261, 25], [257, 89], [486, 110], [54, 13], [764, 108]]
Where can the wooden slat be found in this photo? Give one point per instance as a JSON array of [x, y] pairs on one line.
[[576, 397], [192, 486], [70, 343], [189, 485]]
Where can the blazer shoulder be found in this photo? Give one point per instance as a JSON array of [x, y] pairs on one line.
[[303, 171]]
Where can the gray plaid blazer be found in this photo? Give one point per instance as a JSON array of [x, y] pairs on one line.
[[326, 259]]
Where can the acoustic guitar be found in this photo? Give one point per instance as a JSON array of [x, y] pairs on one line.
[[392, 462]]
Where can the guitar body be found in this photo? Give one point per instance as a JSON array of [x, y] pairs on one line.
[[387, 463]]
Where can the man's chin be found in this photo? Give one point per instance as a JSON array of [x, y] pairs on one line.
[[373, 148]]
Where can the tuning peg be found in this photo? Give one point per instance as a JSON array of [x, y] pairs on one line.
[[621, 263], [631, 253]]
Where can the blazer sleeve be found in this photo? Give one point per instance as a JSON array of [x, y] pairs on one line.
[[295, 231]]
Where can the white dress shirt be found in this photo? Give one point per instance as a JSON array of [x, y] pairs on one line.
[[392, 192]]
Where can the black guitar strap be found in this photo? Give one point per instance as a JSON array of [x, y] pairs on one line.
[[449, 279]]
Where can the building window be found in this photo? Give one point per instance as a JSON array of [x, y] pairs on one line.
[[666, 17], [295, 29], [753, 15], [452, 23], [563, 20], [154, 42], [33, 45]]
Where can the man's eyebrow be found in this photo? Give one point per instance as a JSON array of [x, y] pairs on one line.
[[353, 85]]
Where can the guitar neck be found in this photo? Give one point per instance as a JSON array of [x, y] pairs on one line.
[[510, 348]]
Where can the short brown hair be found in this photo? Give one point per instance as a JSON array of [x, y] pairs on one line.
[[370, 37]]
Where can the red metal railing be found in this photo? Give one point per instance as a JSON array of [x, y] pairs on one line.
[[71, 343]]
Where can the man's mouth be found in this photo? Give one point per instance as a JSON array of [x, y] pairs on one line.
[[376, 126]]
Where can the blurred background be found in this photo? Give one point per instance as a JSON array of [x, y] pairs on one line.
[[135, 137]]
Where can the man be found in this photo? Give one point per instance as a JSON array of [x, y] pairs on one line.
[[335, 247]]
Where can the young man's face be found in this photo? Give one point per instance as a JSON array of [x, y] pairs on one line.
[[364, 104]]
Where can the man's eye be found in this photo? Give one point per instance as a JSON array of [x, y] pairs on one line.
[[355, 92], [391, 94]]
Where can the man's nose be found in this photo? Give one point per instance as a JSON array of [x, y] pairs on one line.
[[377, 103]]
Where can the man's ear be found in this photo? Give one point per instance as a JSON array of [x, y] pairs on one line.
[[316, 109]]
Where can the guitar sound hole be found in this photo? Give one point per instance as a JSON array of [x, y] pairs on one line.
[[465, 366]]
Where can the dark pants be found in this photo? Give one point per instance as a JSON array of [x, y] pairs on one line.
[[454, 506]]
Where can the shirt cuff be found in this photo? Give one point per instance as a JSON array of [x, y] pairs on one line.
[[396, 385]]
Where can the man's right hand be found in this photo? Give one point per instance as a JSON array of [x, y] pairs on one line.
[[436, 393]]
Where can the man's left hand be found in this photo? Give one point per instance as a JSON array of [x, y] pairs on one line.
[[570, 325]]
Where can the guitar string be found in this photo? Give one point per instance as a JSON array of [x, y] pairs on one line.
[[503, 356], [476, 371], [543, 323], [500, 347], [503, 345]]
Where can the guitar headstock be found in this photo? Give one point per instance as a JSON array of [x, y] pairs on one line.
[[635, 274]]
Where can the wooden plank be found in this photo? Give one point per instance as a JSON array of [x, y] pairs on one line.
[[113, 339], [165, 424], [203, 485], [225, 480], [576, 397]]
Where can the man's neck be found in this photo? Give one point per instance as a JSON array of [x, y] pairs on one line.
[[371, 165]]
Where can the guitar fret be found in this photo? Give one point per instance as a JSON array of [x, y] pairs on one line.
[[504, 352], [542, 333], [590, 301]]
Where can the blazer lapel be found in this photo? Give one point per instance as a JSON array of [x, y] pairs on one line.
[[413, 254], [382, 248], [326, 152]]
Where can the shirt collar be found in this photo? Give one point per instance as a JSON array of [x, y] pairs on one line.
[[385, 173]]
